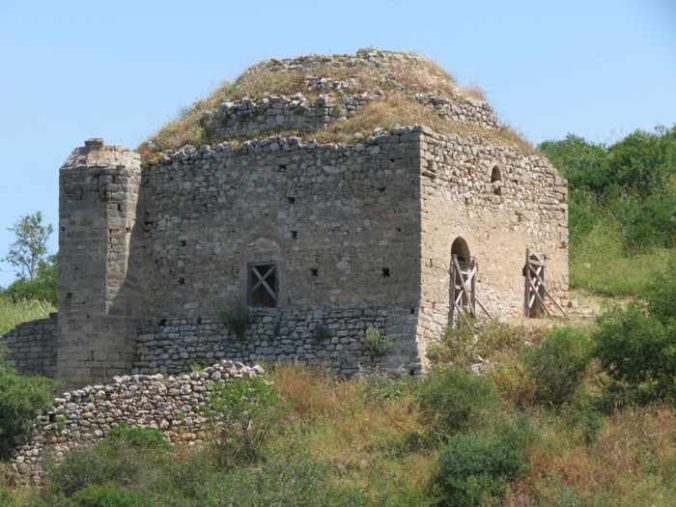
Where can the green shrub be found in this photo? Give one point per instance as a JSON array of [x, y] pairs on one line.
[[638, 352], [137, 438], [453, 399], [375, 342], [21, 399], [474, 469], [247, 410], [648, 222], [559, 364], [586, 420], [236, 317], [109, 495], [661, 295], [295, 481], [125, 456]]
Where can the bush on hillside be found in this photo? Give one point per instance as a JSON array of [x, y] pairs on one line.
[[123, 457], [474, 469], [453, 399], [558, 365], [246, 410], [21, 399], [661, 295], [638, 352]]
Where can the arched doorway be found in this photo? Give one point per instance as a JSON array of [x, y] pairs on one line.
[[496, 181], [462, 283]]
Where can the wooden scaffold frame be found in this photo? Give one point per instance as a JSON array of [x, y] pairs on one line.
[[535, 288]]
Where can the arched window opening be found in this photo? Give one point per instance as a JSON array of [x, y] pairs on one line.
[[462, 282], [496, 180], [460, 249]]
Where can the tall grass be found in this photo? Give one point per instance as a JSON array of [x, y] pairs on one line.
[[14, 313]]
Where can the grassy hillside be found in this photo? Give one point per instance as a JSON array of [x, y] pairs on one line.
[[451, 439], [13, 313]]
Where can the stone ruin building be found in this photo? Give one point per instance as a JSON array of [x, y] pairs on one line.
[[290, 211]]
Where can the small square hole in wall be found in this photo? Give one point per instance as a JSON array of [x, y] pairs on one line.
[[181, 281], [294, 234], [282, 167], [184, 242], [314, 272], [292, 200], [386, 272]]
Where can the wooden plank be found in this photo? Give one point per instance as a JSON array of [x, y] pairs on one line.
[[541, 300], [556, 302]]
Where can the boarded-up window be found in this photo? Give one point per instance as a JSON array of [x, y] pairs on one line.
[[263, 285]]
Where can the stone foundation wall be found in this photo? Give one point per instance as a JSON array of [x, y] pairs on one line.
[[32, 346], [332, 337], [83, 416]]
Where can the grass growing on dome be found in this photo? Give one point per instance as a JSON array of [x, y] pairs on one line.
[[394, 83]]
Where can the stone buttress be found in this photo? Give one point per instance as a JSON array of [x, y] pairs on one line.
[[97, 210]]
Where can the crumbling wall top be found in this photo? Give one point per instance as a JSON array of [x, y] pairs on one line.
[[95, 153]]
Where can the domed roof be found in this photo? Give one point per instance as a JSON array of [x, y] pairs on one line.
[[334, 98]]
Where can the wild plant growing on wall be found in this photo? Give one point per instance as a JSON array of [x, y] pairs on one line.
[[236, 317], [375, 342]]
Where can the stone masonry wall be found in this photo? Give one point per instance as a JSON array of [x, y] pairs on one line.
[[340, 222], [32, 346], [81, 417], [97, 211], [332, 337], [249, 117], [525, 208]]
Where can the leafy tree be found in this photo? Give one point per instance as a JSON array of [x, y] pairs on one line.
[[42, 287], [582, 163], [30, 247], [642, 162]]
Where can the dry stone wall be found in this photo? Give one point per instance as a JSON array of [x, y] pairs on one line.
[[32, 346], [172, 404], [249, 117], [332, 337]]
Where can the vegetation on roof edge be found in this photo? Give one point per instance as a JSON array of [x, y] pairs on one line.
[[395, 105]]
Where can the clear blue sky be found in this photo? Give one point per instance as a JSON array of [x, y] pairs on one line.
[[70, 70]]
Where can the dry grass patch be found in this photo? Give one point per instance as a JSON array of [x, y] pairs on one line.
[[632, 463], [396, 83], [396, 109]]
